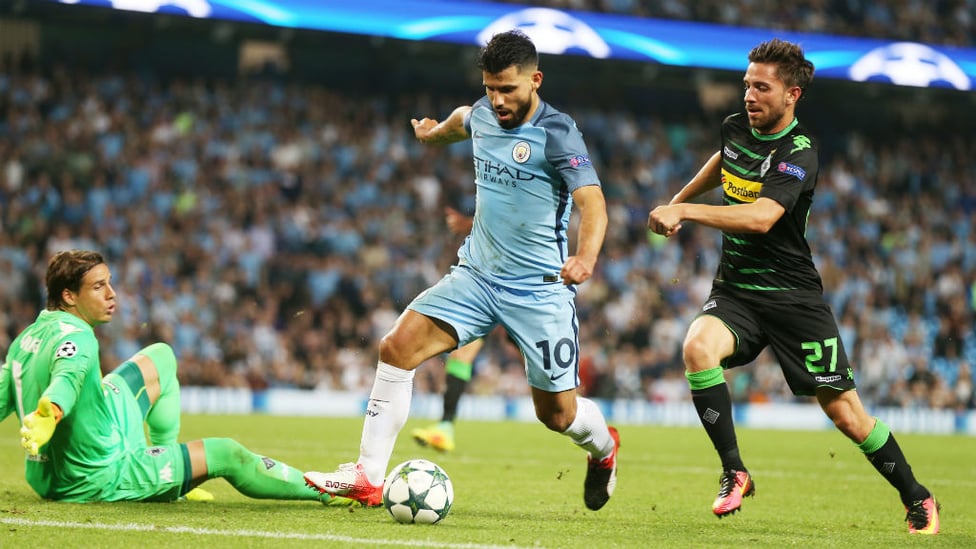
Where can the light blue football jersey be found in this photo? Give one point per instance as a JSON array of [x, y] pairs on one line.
[[524, 178]]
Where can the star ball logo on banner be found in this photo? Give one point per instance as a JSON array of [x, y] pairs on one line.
[[552, 31], [194, 8], [909, 64]]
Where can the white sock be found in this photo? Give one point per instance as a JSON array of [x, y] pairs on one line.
[[589, 430], [386, 414]]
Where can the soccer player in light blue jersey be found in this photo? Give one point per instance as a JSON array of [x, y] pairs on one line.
[[515, 269]]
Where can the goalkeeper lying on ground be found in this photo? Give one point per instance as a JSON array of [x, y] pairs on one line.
[[85, 437]]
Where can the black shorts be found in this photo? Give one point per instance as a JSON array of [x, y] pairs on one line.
[[798, 326]]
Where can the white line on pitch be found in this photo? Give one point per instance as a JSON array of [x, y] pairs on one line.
[[246, 533]]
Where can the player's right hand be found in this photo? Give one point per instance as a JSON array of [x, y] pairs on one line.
[[457, 222], [423, 127], [664, 220], [38, 427]]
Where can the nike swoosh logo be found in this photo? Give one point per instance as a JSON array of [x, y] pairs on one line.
[[554, 378]]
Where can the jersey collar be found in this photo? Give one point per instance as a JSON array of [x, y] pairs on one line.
[[777, 135]]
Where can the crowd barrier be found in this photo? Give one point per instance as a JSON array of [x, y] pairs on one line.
[[295, 402]]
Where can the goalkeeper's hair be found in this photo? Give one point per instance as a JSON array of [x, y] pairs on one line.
[[65, 272]]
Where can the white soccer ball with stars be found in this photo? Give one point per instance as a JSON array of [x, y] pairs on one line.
[[418, 491]]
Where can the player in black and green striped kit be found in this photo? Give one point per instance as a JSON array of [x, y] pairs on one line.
[[767, 291], [85, 435]]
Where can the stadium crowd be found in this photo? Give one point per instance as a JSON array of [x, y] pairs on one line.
[[273, 231], [947, 22]]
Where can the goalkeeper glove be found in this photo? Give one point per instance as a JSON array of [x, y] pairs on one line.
[[39, 426]]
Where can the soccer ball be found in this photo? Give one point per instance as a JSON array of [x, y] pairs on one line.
[[418, 491]]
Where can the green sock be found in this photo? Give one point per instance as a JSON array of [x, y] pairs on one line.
[[253, 475], [163, 418], [459, 368], [705, 379]]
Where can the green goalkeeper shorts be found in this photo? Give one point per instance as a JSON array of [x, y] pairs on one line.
[[141, 472]]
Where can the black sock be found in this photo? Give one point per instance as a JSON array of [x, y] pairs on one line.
[[891, 463], [452, 395], [714, 407]]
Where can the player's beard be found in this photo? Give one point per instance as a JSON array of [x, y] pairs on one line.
[[768, 120], [518, 116]]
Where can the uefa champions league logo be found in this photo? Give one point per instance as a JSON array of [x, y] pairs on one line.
[[909, 64], [551, 30], [194, 8]]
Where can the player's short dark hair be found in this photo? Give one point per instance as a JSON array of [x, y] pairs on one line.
[[794, 68], [506, 49], [65, 272]]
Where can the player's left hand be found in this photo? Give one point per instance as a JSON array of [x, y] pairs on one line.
[[38, 426]]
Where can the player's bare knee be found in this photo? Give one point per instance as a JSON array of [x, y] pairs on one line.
[[391, 349], [697, 355], [557, 422]]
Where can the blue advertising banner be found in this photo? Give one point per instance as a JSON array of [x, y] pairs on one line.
[[597, 35]]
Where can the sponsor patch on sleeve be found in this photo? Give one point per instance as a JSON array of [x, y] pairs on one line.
[[792, 169], [579, 160]]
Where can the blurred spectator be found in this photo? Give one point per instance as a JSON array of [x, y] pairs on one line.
[[950, 22], [964, 394]]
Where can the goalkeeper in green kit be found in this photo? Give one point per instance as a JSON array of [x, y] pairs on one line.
[[85, 434]]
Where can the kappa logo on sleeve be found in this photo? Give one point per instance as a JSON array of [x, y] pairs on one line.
[[800, 142], [67, 349]]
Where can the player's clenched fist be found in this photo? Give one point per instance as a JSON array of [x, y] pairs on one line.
[[664, 220]]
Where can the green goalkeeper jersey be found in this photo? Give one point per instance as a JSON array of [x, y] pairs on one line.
[[57, 357]]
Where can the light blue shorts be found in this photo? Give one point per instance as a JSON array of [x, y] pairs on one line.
[[542, 322]]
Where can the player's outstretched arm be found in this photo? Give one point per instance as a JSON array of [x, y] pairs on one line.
[[707, 178], [450, 130], [38, 426]]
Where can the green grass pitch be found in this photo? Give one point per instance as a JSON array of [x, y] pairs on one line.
[[518, 485]]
